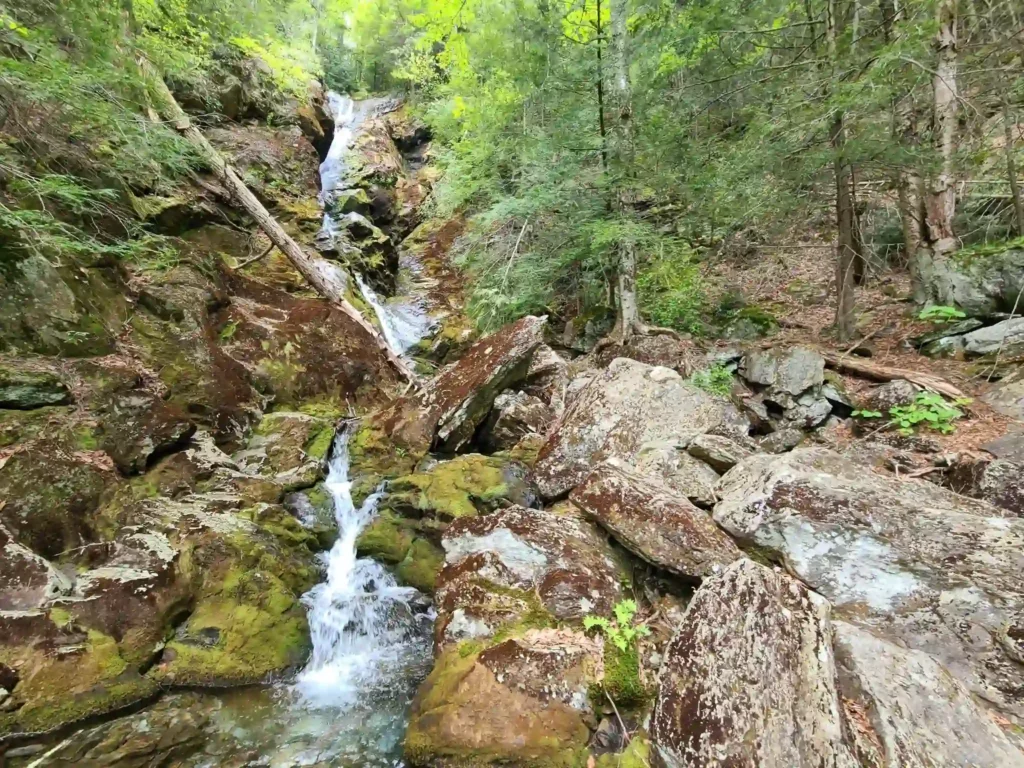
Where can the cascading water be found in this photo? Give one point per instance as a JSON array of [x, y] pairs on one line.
[[366, 629], [404, 323]]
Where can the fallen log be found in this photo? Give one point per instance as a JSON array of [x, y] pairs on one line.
[[876, 372], [322, 275]]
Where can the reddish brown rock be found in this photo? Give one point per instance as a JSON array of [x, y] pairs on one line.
[[749, 678], [653, 522]]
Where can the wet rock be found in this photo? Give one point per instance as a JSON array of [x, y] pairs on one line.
[[520, 702], [792, 370], [1007, 396], [288, 448], [781, 441], [890, 395], [516, 415], [752, 656], [627, 406], [24, 388], [653, 522], [917, 564], [906, 709], [720, 453], [521, 566], [445, 413]]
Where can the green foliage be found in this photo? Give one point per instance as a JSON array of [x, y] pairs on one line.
[[670, 289], [621, 630], [940, 314], [717, 380], [866, 414], [929, 409]]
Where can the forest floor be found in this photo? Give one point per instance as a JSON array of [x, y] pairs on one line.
[[790, 282]]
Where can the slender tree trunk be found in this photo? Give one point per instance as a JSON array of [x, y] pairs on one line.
[[1011, 167], [322, 275], [912, 217], [940, 199], [628, 317], [846, 255], [600, 92]]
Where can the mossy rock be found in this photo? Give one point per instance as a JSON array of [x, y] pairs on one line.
[[622, 678], [421, 565], [462, 487], [636, 755], [23, 388], [751, 322], [387, 538]]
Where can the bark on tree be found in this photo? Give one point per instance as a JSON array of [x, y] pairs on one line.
[[600, 92], [1009, 123], [628, 317], [322, 275]]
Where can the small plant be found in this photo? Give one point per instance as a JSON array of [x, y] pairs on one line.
[[717, 380], [621, 630], [929, 409], [940, 314], [867, 414]]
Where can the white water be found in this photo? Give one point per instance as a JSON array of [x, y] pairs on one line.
[[368, 633], [404, 322]]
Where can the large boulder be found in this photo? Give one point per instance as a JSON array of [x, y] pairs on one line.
[[515, 416], [978, 283], [653, 522], [626, 407], [288, 448], [999, 481], [520, 702], [790, 381], [522, 567], [749, 679], [1006, 337], [906, 709], [913, 562], [1007, 396], [444, 414]]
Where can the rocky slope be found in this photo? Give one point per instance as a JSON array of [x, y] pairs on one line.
[[806, 597]]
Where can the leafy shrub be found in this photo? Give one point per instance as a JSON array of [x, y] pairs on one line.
[[929, 409], [939, 314], [670, 289], [717, 380], [621, 630]]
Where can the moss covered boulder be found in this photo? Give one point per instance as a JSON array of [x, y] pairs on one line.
[[523, 701], [289, 448], [24, 386]]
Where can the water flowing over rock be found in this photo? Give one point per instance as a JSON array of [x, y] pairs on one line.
[[749, 678], [627, 406], [653, 522], [910, 561]]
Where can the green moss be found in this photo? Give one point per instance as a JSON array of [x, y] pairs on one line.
[[621, 678], [320, 445], [385, 539], [421, 565], [636, 755], [323, 409], [968, 256], [452, 489]]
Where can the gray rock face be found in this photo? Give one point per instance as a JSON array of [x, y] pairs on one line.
[[915, 563], [669, 463], [24, 388], [1007, 336], [749, 679], [1008, 396], [627, 406], [27, 581], [720, 453], [781, 441], [653, 522], [985, 285], [793, 370], [906, 710], [999, 482], [1009, 447]]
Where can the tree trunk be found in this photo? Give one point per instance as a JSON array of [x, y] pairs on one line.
[[628, 318], [912, 218], [846, 254], [600, 93], [322, 275], [940, 197], [1011, 167]]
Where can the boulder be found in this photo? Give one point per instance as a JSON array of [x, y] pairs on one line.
[[781, 440], [793, 370], [547, 378], [27, 581], [906, 710], [516, 415], [979, 284], [749, 679], [626, 407], [1007, 396], [669, 463], [653, 522], [1006, 336], [23, 387], [1009, 447], [520, 702], [288, 448], [521, 567], [444, 414], [915, 563], [999, 482], [890, 395], [720, 453]]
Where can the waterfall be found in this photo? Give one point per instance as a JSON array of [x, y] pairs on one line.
[[368, 633], [404, 323]]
